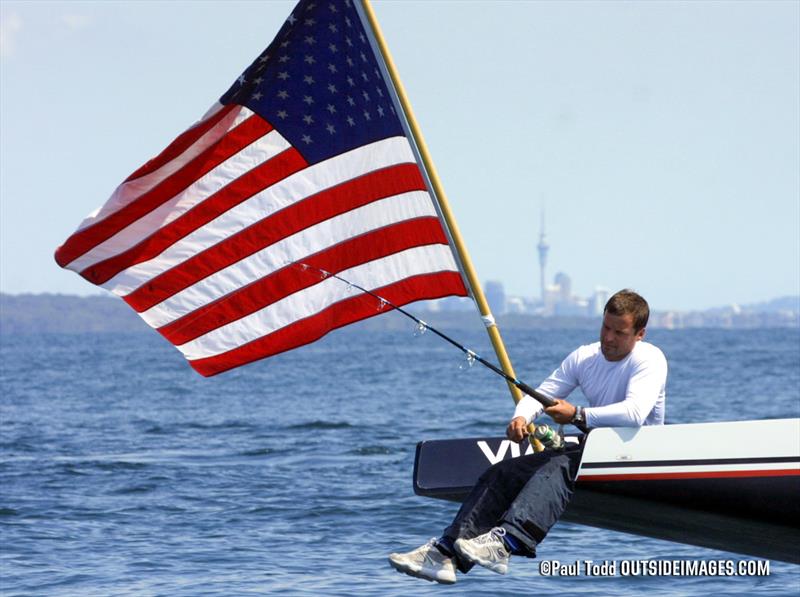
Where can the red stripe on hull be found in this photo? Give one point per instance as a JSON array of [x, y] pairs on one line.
[[362, 306], [85, 240], [693, 475], [293, 278], [317, 208]]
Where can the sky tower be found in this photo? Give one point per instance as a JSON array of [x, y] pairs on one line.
[[543, 247]]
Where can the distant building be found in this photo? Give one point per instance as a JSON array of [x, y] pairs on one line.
[[563, 288], [543, 248], [455, 303], [598, 301], [495, 296], [516, 305]]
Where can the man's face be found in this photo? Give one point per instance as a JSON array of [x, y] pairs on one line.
[[617, 336]]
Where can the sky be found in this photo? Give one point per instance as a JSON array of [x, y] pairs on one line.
[[660, 139]]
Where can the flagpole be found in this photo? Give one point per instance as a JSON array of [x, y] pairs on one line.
[[447, 214]]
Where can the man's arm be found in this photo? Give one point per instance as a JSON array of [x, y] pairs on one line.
[[644, 389], [560, 383]]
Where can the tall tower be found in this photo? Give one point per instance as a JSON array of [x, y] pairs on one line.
[[543, 247]]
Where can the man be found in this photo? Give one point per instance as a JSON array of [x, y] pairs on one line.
[[516, 502]]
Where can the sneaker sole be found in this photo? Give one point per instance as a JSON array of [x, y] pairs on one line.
[[497, 568], [418, 573]]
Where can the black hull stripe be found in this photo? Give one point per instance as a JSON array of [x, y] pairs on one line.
[[638, 463]]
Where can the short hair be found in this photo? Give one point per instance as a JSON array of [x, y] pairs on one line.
[[627, 302]]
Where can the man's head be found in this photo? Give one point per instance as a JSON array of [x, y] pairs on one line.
[[624, 322]]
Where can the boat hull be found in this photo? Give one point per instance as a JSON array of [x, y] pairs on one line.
[[730, 486]]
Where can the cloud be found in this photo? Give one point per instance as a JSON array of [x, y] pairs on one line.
[[10, 26], [76, 22]]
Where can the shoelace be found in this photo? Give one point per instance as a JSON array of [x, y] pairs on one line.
[[496, 534], [433, 549]]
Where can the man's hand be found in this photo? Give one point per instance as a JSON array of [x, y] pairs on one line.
[[561, 412], [517, 429]]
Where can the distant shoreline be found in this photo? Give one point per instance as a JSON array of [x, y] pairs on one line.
[[61, 313]]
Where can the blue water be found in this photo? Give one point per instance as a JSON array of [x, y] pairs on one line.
[[125, 473]]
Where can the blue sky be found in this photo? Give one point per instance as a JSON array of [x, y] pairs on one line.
[[662, 137]]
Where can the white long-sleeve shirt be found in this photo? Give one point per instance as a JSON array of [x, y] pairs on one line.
[[625, 393]]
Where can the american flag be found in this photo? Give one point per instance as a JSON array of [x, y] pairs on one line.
[[302, 166]]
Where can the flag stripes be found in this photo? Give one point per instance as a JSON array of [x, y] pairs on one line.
[[204, 133], [307, 217], [245, 186], [373, 274], [192, 139], [295, 277], [336, 316], [86, 246], [311, 240], [293, 189]]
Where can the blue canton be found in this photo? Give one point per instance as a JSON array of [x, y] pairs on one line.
[[318, 83]]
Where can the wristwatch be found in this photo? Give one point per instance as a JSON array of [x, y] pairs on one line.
[[579, 416]]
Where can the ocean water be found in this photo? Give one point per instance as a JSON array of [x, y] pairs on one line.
[[125, 473]]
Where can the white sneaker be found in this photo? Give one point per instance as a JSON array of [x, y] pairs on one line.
[[426, 562], [488, 550]]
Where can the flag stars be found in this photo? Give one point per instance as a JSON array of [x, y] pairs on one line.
[[323, 91], [311, 7]]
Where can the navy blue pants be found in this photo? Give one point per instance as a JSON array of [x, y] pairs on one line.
[[524, 495]]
